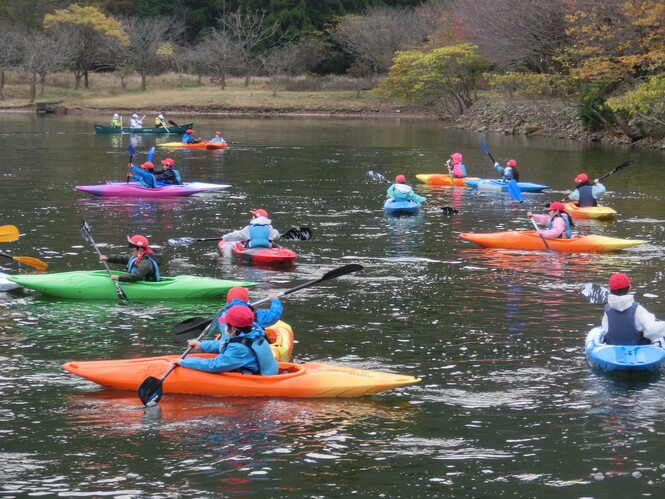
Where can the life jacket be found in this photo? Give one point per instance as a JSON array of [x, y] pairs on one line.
[[511, 173], [158, 122], [132, 264], [621, 328], [262, 353], [459, 170], [566, 218], [259, 236], [177, 174], [586, 196]]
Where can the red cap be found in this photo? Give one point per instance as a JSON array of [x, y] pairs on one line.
[[189, 130], [619, 281], [511, 163], [237, 293], [259, 213], [168, 161], [238, 316], [582, 177], [218, 132], [400, 179], [148, 165], [139, 241], [556, 205]]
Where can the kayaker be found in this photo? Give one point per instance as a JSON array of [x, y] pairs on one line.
[[159, 121], [115, 121], [258, 234], [586, 194], [144, 174], [218, 137], [508, 172], [626, 321], [141, 262], [401, 191], [455, 165], [187, 137], [135, 122], [246, 349], [557, 221], [170, 174]]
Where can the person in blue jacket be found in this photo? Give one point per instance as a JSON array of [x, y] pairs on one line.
[[586, 194], [141, 262], [508, 172], [143, 174], [258, 234], [246, 350], [187, 137], [401, 191]]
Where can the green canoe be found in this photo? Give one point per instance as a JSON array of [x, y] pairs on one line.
[[96, 285], [161, 129]]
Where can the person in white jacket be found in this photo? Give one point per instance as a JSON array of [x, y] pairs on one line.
[[626, 322], [258, 234]]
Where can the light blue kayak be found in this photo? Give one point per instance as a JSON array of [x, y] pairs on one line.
[[490, 184], [622, 358], [399, 208]]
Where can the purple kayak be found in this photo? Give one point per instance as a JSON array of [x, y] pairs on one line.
[[136, 191]]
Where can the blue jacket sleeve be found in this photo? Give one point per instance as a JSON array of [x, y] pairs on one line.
[[234, 358], [147, 177], [266, 318]]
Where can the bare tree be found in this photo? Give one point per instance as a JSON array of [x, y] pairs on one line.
[[253, 36], [121, 57], [8, 53], [278, 62], [221, 54]]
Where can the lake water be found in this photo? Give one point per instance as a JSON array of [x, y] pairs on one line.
[[507, 405]]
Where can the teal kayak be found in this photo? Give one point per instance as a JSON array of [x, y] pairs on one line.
[[96, 285]]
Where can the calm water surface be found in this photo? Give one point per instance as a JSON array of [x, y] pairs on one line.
[[507, 405]]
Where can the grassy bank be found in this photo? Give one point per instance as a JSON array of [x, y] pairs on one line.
[[172, 93]]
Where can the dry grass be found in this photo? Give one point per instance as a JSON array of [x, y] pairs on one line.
[[171, 92]]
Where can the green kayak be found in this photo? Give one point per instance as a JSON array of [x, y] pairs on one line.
[[161, 130], [96, 285]]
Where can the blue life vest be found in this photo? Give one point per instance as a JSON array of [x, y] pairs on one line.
[[621, 327], [177, 174], [259, 236], [262, 353], [586, 196], [131, 266], [568, 231]]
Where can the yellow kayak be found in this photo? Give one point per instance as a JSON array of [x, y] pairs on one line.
[[593, 212]]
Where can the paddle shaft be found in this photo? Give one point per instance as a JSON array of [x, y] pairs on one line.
[[516, 194], [482, 144], [88, 235], [29, 261], [131, 151]]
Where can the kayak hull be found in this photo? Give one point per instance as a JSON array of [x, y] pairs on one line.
[[401, 208], [622, 358], [589, 212], [444, 179], [308, 380], [201, 145], [277, 255], [530, 240], [154, 130], [96, 285], [490, 184], [204, 186], [7, 284], [133, 190]]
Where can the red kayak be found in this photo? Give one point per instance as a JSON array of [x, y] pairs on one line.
[[276, 255]]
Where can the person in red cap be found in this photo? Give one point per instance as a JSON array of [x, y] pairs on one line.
[[245, 349], [557, 221], [508, 172], [586, 194], [625, 321], [240, 296], [218, 137], [170, 174], [141, 262], [188, 138], [143, 174], [401, 191], [258, 234]]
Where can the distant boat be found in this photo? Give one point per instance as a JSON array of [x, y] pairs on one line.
[[160, 129]]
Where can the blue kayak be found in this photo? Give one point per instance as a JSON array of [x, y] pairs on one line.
[[622, 358], [398, 208], [490, 184]]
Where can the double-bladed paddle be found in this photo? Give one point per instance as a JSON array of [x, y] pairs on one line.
[[131, 152], [380, 178], [293, 234], [516, 194], [593, 293], [27, 260], [151, 153], [482, 144], [620, 167], [8, 233], [150, 390], [86, 232]]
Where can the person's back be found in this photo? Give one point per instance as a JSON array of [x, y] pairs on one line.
[[586, 194], [401, 191], [258, 234], [508, 172]]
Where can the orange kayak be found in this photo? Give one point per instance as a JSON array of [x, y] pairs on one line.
[[594, 212], [529, 240], [204, 144], [443, 179]]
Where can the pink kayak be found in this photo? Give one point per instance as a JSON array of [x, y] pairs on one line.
[[276, 255], [136, 191]]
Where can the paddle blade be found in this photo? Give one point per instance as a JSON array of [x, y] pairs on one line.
[[171, 122], [31, 262], [298, 234], [593, 293], [150, 391], [376, 176], [86, 231], [182, 241], [189, 329], [347, 269], [482, 144], [514, 191], [131, 152], [8, 233], [151, 153], [449, 210]]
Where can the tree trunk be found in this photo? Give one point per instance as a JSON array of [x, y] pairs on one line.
[[627, 129], [42, 84], [144, 85], [86, 80], [2, 84], [33, 89]]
